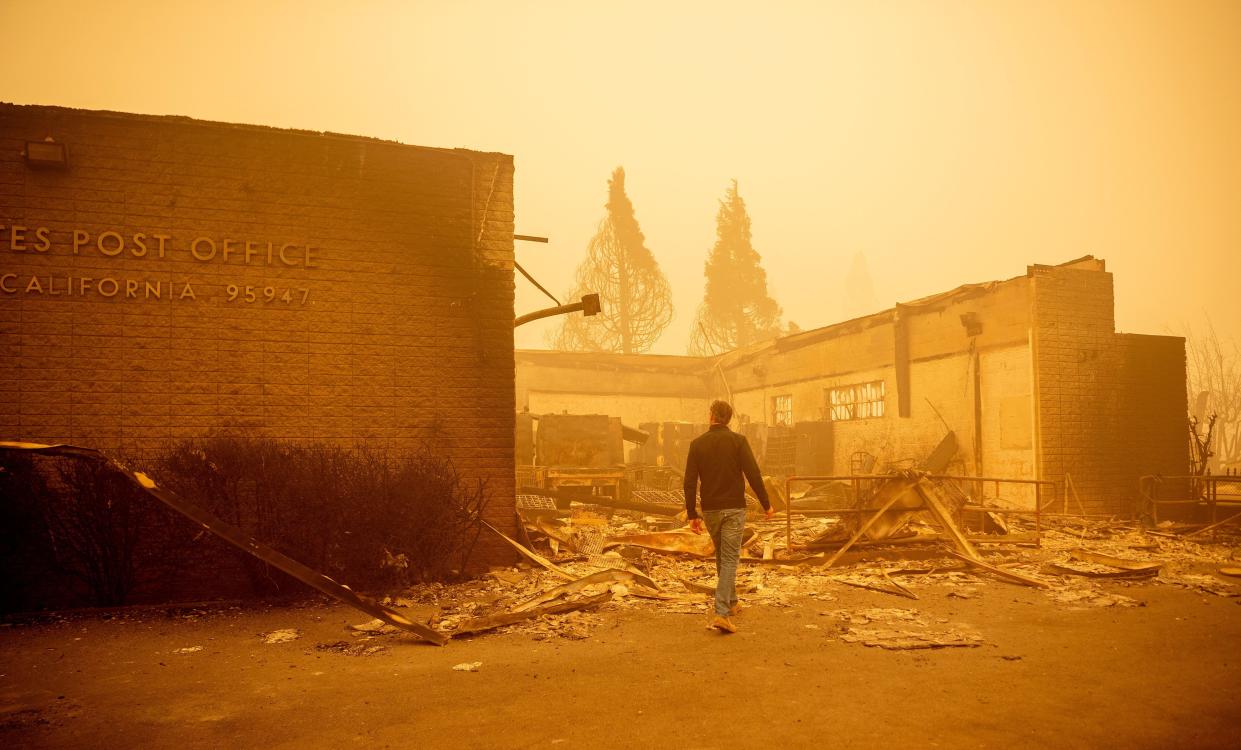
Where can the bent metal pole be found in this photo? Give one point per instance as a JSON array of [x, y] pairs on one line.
[[589, 307], [240, 539]]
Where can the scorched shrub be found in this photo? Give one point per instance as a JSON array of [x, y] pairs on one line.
[[370, 517]]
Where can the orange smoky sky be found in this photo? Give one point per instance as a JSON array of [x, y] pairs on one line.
[[945, 142]]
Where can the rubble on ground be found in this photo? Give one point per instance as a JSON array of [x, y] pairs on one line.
[[353, 649], [901, 629], [595, 559], [284, 635]]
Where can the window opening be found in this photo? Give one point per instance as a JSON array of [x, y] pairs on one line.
[[857, 401]]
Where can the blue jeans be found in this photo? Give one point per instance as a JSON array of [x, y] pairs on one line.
[[725, 527]]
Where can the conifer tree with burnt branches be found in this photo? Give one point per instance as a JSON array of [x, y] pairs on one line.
[[736, 309], [633, 293]]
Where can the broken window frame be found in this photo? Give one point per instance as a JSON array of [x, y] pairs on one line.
[[855, 401], [782, 410]]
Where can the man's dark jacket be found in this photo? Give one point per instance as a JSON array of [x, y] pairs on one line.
[[720, 457]]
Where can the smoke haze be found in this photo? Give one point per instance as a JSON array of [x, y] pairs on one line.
[[946, 142]]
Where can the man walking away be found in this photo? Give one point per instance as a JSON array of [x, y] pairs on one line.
[[720, 458]]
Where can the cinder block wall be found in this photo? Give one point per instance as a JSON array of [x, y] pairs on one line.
[[397, 325], [1109, 405]]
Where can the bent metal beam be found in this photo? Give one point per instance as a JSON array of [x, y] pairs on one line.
[[240, 539]]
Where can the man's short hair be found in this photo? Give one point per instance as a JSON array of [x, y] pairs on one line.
[[721, 412]]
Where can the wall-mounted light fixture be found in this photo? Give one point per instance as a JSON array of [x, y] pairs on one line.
[[589, 307], [46, 154], [973, 326]]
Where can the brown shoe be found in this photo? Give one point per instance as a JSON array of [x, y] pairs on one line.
[[734, 610], [723, 624]]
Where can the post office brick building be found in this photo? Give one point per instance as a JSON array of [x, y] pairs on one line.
[[173, 275]]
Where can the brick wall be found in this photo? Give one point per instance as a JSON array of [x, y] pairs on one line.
[[397, 326], [1109, 405]]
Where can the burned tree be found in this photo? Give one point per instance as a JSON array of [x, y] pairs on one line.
[[636, 300], [736, 309], [1214, 371]]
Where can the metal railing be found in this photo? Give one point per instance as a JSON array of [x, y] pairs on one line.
[[1210, 491]]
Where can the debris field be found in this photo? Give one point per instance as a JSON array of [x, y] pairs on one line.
[[585, 563]]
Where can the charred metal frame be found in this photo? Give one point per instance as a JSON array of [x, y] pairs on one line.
[[1202, 491], [857, 481]]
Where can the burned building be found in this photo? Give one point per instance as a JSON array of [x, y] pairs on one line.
[[1028, 374], [162, 276]]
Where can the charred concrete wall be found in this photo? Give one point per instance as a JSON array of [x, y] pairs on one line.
[[1029, 373], [968, 370], [1153, 410], [179, 275], [637, 388]]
